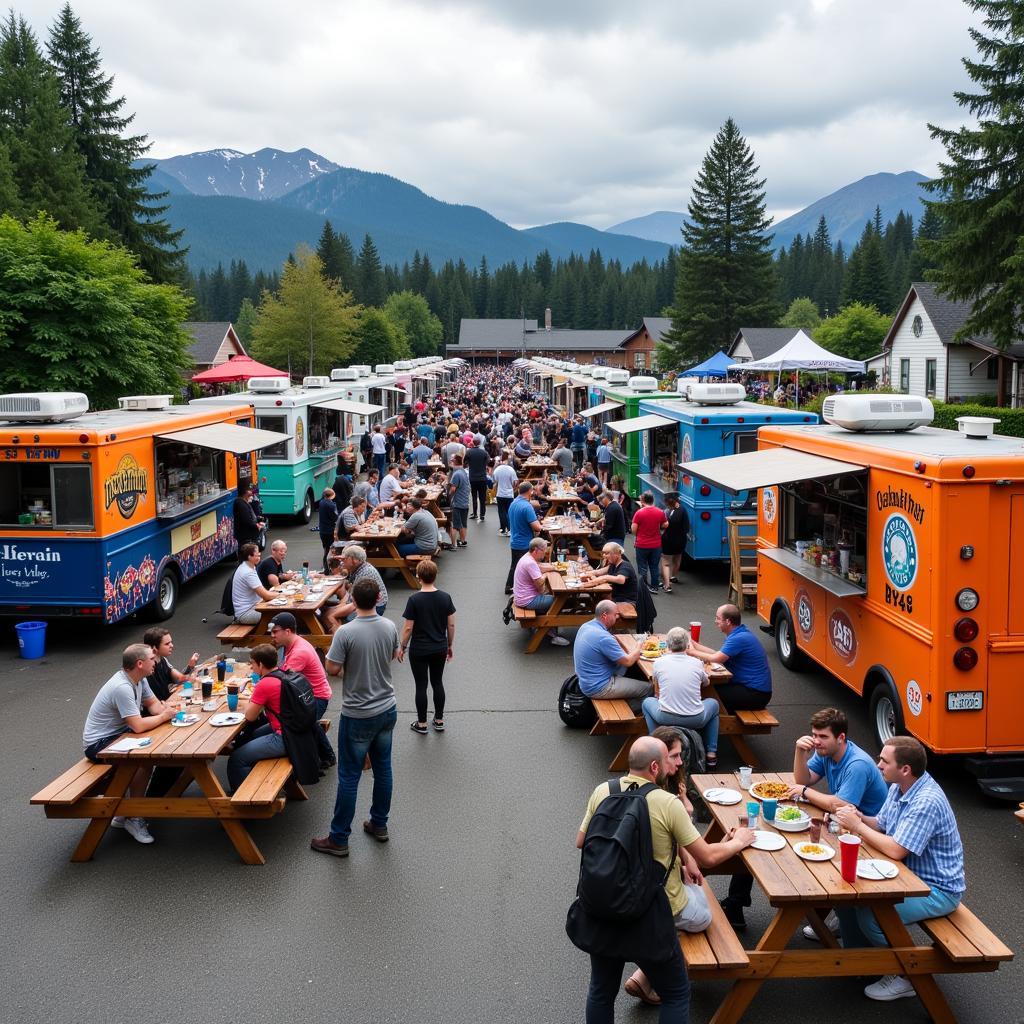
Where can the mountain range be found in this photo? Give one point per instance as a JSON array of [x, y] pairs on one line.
[[258, 207]]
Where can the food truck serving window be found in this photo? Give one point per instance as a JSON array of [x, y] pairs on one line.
[[47, 496], [187, 475]]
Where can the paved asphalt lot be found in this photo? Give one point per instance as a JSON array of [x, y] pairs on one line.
[[458, 919]]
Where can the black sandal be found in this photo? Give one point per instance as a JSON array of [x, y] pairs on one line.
[[416, 727], [438, 726]]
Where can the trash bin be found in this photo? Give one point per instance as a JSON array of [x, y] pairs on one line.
[[31, 639]]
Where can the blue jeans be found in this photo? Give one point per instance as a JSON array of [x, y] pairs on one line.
[[540, 603], [503, 504], [379, 462], [358, 737], [265, 744], [409, 549], [706, 722], [667, 978], [649, 559], [860, 928]]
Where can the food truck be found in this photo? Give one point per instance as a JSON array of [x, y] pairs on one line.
[[106, 513], [713, 420], [319, 418], [376, 386], [887, 553]]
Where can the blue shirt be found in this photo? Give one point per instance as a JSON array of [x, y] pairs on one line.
[[855, 779], [520, 514], [422, 454], [746, 660], [579, 434], [604, 454], [922, 822], [595, 655]]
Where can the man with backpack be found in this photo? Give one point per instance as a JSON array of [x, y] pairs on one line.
[[634, 892]]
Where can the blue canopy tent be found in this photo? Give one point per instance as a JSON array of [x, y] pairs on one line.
[[717, 366]]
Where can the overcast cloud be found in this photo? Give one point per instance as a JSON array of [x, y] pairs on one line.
[[543, 110]]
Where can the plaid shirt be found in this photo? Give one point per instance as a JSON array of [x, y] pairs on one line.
[[369, 572], [922, 822]]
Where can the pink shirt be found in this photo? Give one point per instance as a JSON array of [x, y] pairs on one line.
[[302, 657], [526, 581], [648, 520]]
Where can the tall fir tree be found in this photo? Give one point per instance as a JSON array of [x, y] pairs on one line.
[[369, 276], [929, 229], [980, 196], [726, 277]]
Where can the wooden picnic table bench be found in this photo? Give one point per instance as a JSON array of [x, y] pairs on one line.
[[381, 544]]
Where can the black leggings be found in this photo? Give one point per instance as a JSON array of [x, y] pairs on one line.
[[737, 697], [478, 490], [423, 665]]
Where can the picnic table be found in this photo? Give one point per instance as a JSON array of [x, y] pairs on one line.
[[798, 889], [560, 495], [100, 791], [536, 466], [381, 539], [573, 531], [304, 602]]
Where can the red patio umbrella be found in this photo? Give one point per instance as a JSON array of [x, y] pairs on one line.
[[235, 369]]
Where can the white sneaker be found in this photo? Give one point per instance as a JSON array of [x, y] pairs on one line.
[[560, 641], [831, 923], [889, 987], [136, 828]]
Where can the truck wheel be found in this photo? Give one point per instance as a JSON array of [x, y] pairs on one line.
[[166, 599], [306, 512], [886, 713], [785, 642]]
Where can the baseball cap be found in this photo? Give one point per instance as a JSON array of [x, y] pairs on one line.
[[285, 620]]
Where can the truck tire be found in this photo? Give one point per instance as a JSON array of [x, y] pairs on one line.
[[785, 641], [305, 514], [167, 588], [885, 712]]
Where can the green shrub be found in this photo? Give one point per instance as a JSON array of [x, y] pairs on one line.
[[1011, 421]]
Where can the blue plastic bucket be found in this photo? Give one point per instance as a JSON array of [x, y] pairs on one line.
[[31, 639]]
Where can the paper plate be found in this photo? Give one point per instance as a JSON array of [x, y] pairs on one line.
[[280, 600], [767, 840], [189, 720], [827, 855], [227, 718], [875, 869], [725, 797]]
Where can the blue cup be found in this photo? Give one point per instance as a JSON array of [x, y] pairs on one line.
[[232, 696], [768, 806], [753, 809]]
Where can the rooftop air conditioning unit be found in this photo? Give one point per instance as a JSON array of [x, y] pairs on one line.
[[403, 364], [877, 412], [364, 370], [384, 369], [683, 384], [600, 373], [346, 373], [978, 427], [643, 383], [618, 377], [269, 385], [316, 382], [145, 402], [716, 394], [43, 406]]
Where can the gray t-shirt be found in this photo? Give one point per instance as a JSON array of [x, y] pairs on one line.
[[461, 492], [564, 459], [365, 647], [424, 528], [243, 589], [118, 698]]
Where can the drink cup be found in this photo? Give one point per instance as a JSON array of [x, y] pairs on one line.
[[849, 848], [180, 715], [207, 688], [746, 774], [695, 632], [742, 821], [220, 671], [753, 809], [232, 696], [816, 826], [768, 807]]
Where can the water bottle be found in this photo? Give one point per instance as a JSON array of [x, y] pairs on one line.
[[582, 554], [305, 572], [186, 691]]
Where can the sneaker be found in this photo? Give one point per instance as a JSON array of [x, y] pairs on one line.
[[328, 845], [734, 914], [473, 516], [560, 641], [889, 987], [831, 923], [379, 832], [135, 827]]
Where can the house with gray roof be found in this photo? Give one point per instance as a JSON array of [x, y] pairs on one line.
[[213, 343], [923, 357], [757, 342]]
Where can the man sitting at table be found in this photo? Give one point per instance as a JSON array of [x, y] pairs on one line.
[[605, 671], [117, 709], [356, 566], [528, 584], [271, 570], [743, 655], [563, 457], [612, 524], [391, 487], [917, 826], [420, 529], [246, 589], [617, 571], [352, 518]]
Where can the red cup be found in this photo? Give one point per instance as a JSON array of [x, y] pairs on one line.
[[695, 632], [849, 847]]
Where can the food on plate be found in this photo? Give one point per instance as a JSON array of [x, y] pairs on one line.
[[812, 849], [790, 814], [770, 790]]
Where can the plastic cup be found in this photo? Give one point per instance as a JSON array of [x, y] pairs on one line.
[[768, 807], [695, 632], [753, 809], [746, 774], [232, 696], [207, 688], [816, 826], [220, 671], [849, 848], [742, 821]]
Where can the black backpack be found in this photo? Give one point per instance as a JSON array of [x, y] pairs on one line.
[[646, 609], [574, 707], [298, 724], [508, 612], [619, 877], [227, 601]]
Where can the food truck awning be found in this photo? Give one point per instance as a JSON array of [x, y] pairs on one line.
[[227, 437], [344, 405], [765, 468], [639, 423], [596, 410], [391, 387]]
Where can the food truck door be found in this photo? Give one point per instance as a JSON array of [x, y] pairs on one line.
[[1005, 711]]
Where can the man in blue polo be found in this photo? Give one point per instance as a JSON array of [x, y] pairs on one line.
[[743, 655], [604, 669], [523, 526]]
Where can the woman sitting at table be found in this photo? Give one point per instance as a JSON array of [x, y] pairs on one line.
[[165, 678], [679, 677]]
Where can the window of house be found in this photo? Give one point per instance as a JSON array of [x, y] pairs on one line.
[[929, 378], [640, 360], [993, 368], [905, 375]]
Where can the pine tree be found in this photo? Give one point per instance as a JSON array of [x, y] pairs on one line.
[[980, 197], [245, 322], [327, 253], [369, 275], [867, 278], [726, 277], [929, 229], [132, 214]]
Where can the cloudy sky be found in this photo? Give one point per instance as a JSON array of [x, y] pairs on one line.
[[541, 110]]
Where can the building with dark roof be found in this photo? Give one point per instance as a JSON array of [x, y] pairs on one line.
[[213, 343], [757, 342]]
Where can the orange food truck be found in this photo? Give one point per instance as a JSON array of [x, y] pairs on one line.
[[103, 514], [888, 553]]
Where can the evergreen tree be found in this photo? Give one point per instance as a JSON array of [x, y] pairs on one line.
[[133, 215], [726, 277], [369, 275], [327, 253], [867, 279], [245, 322], [979, 190], [929, 229]]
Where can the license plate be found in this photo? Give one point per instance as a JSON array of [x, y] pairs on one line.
[[965, 700]]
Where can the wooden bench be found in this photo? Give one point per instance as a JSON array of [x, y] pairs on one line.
[[523, 614], [263, 785], [717, 947], [627, 613], [740, 724], [965, 940], [616, 718], [68, 788], [235, 633]]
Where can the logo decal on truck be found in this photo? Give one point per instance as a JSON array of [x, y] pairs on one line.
[[126, 485], [899, 551], [915, 699], [842, 636], [768, 505], [805, 614]]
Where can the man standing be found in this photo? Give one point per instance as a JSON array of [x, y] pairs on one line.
[[603, 668], [379, 447], [246, 589], [751, 686], [563, 457], [505, 482], [648, 523], [361, 653], [523, 526], [613, 520], [604, 461], [247, 526], [578, 443], [915, 825], [458, 498], [477, 463]]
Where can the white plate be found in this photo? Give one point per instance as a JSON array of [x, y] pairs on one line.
[[279, 600], [725, 797], [874, 869], [227, 718], [827, 855], [189, 720], [757, 796], [767, 840]]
